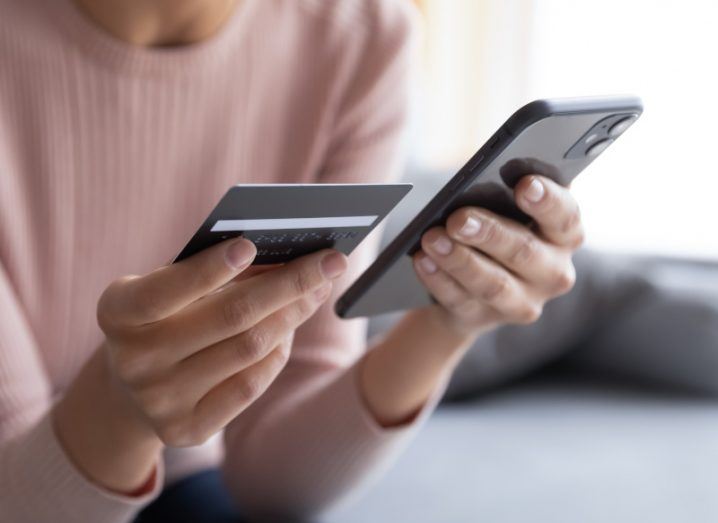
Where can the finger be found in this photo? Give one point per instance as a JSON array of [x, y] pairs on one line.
[[483, 278], [445, 290], [254, 270], [203, 370], [243, 304], [228, 399], [553, 208], [145, 299], [513, 245]]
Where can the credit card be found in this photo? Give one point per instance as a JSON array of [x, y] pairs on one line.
[[286, 221]]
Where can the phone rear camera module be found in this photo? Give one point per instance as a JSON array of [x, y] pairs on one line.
[[600, 135], [591, 138], [598, 148], [619, 127]]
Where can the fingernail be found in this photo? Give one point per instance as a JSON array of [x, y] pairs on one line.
[[442, 245], [471, 227], [239, 253], [333, 265], [535, 191], [323, 292], [428, 265]]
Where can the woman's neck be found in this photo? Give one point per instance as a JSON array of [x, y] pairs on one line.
[[159, 23]]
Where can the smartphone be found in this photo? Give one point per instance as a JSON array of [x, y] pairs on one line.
[[556, 138]]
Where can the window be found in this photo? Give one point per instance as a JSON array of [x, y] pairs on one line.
[[656, 189]]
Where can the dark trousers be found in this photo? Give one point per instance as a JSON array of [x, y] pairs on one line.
[[199, 498]]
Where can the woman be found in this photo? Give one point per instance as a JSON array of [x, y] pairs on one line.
[[121, 124]]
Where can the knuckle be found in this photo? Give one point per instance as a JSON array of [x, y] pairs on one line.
[[297, 313], [126, 368], [132, 368], [253, 344], [235, 312], [250, 387], [529, 313], [578, 239], [286, 350], [443, 289], [176, 433], [565, 280], [302, 281], [157, 401], [459, 262], [495, 287], [281, 356], [465, 308], [304, 309], [525, 251], [572, 221], [452, 300], [203, 275]]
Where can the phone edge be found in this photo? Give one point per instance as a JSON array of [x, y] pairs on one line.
[[522, 118]]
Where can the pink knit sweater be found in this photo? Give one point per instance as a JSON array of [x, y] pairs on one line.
[[111, 156]]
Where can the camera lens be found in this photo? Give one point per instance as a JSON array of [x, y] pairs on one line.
[[598, 148], [621, 125], [590, 138]]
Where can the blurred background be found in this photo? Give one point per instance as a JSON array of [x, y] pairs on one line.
[[605, 410], [654, 191]]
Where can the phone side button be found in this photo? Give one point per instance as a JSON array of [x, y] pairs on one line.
[[475, 163], [456, 181]]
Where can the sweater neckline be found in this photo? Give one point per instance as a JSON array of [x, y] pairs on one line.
[[118, 54]]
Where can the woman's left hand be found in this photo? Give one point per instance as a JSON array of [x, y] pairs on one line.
[[485, 270]]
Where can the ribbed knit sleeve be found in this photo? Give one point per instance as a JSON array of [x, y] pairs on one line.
[[310, 442], [110, 157], [37, 481]]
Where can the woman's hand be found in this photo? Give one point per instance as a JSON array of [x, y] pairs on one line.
[[188, 347], [485, 270], [192, 359]]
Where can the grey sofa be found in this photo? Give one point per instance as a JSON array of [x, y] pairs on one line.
[[606, 410]]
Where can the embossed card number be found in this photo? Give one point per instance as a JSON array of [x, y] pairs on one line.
[[289, 220], [295, 236]]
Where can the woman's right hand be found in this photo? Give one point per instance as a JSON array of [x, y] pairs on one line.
[[192, 349], [188, 347]]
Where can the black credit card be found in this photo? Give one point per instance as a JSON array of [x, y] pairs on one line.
[[285, 221]]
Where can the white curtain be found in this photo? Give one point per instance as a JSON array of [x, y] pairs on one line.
[[474, 66], [656, 189]]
